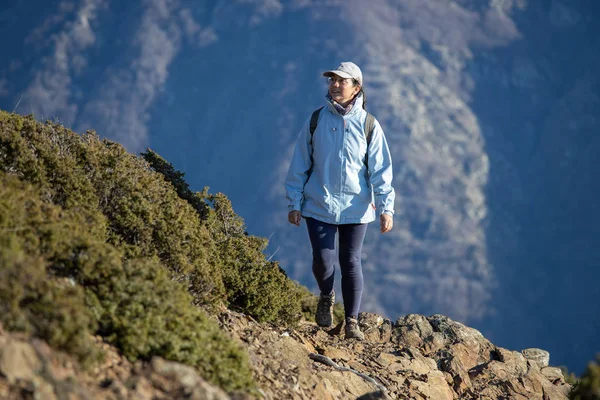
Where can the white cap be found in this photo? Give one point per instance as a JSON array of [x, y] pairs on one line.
[[346, 69]]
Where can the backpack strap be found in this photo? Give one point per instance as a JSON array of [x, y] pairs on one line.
[[314, 120], [369, 127]]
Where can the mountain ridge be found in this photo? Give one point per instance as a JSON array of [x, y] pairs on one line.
[[489, 107], [120, 282], [399, 360]]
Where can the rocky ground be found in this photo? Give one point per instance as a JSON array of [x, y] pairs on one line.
[[30, 369], [416, 357]]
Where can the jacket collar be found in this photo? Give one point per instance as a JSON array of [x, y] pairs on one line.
[[358, 105]]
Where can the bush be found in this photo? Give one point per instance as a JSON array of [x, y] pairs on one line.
[[175, 177], [31, 301], [253, 284], [125, 203], [570, 377], [588, 387], [61, 284], [197, 236], [144, 313], [45, 308], [139, 245]]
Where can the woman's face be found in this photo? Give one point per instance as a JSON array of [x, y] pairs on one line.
[[342, 90]]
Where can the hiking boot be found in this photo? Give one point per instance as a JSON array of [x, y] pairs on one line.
[[324, 315], [352, 329]]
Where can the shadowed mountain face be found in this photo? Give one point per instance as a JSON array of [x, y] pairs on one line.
[[490, 110]]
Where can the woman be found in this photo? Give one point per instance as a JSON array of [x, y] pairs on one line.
[[335, 174]]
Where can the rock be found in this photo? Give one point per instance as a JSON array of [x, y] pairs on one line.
[[56, 368], [185, 377], [375, 327], [184, 374], [118, 389], [18, 360], [434, 342], [556, 391], [515, 363], [532, 382], [141, 388], [337, 354], [423, 358], [412, 330], [459, 375], [321, 392], [463, 342], [385, 359], [434, 387], [454, 330], [553, 374], [539, 356], [411, 360], [43, 390]]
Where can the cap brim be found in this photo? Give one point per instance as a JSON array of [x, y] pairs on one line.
[[339, 73]]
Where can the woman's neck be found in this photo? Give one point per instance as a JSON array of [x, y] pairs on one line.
[[343, 109]]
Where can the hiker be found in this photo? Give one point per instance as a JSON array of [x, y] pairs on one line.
[[341, 163]]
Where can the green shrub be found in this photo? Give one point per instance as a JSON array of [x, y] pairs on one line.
[[137, 210], [570, 377], [175, 177], [144, 313], [254, 285], [44, 156], [588, 387], [46, 308], [61, 284], [31, 301], [138, 243], [125, 203]]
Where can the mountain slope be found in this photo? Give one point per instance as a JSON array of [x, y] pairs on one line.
[[489, 108], [416, 357]]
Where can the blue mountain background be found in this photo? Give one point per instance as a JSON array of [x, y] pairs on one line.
[[490, 109]]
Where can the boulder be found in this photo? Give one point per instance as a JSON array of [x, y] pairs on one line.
[[18, 361], [539, 356]]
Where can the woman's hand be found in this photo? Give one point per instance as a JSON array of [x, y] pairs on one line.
[[387, 222], [294, 217]]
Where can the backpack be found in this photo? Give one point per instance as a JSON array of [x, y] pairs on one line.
[[369, 126]]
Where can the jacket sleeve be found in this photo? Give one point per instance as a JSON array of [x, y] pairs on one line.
[[380, 172], [299, 170]]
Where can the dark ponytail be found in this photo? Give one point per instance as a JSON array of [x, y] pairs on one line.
[[362, 91], [364, 98]]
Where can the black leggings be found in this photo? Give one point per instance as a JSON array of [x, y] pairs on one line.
[[323, 239]]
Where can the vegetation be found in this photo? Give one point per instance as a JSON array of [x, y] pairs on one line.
[[253, 284], [570, 377], [588, 387], [95, 240]]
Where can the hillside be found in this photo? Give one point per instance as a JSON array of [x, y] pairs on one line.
[[117, 281], [414, 358], [489, 108]]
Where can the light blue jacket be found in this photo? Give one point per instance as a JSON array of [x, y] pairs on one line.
[[338, 188]]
